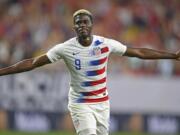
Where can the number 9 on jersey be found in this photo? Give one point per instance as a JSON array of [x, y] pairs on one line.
[[77, 63]]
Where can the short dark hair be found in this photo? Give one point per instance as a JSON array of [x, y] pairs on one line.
[[83, 11]]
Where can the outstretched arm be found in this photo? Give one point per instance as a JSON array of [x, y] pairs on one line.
[[144, 53], [178, 54], [25, 65]]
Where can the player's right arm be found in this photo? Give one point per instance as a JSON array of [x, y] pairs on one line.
[[25, 65]]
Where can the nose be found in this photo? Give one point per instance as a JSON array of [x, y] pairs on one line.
[[82, 24]]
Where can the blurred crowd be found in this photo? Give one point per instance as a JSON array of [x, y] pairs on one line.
[[29, 28]]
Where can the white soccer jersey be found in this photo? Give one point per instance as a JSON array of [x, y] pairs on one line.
[[87, 67]]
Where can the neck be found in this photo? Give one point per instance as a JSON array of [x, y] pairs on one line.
[[85, 41]]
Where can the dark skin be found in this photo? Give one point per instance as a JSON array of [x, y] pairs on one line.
[[83, 27]]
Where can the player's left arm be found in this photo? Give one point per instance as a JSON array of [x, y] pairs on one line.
[[145, 53], [178, 55]]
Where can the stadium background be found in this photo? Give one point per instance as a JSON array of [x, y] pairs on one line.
[[144, 94]]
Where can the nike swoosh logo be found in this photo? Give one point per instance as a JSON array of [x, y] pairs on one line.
[[75, 53]]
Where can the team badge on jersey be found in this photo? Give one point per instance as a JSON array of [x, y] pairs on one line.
[[96, 51], [76, 123]]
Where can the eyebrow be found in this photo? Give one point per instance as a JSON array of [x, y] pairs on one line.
[[77, 20]]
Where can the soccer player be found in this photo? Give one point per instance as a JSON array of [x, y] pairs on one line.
[[86, 57]]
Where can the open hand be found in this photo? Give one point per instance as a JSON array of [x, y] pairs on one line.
[[178, 55]]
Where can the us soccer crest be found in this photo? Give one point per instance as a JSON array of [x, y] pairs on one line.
[[96, 51]]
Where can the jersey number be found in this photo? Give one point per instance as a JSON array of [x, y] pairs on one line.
[[77, 63]]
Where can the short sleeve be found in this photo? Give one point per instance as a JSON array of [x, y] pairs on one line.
[[116, 47], [55, 53]]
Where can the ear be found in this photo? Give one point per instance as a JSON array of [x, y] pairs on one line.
[[74, 28]]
